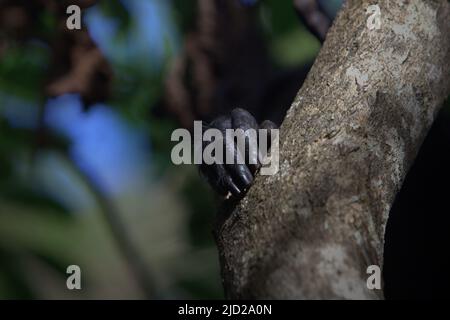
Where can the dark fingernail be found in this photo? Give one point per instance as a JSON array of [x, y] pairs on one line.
[[246, 176], [234, 189]]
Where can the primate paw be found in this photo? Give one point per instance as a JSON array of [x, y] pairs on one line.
[[235, 178]]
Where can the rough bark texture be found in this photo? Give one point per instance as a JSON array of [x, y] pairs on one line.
[[311, 230]]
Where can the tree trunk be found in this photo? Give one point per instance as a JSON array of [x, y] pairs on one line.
[[354, 129]]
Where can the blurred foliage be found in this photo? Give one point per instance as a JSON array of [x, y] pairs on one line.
[[169, 217], [115, 9], [22, 68], [42, 235], [184, 14], [290, 43]]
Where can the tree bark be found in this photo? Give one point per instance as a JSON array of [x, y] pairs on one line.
[[354, 129]]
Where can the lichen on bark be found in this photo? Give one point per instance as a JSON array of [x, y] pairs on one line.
[[354, 129]]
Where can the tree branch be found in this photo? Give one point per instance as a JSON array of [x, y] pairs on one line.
[[354, 129]]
